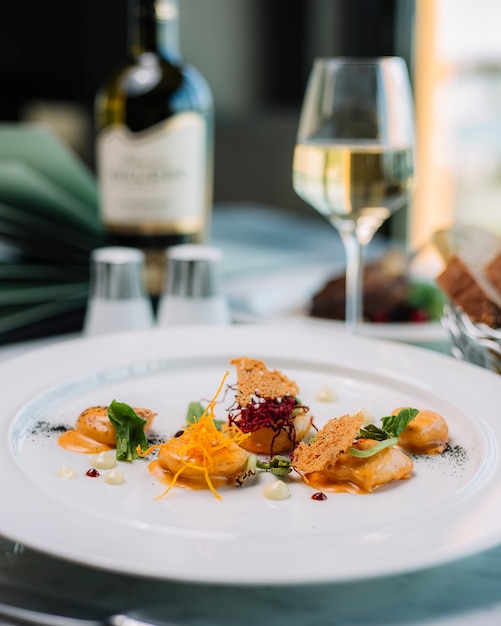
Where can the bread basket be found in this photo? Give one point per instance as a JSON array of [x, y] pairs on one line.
[[472, 342]]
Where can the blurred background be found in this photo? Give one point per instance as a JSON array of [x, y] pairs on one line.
[[256, 55]]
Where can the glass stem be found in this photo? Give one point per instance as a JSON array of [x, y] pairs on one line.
[[354, 251]]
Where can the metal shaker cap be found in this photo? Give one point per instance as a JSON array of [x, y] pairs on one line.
[[193, 271], [116, 273]]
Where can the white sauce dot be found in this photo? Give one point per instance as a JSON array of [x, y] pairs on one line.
[[103, 460], [277, 491], [325, 394], [114, 477], [67, 472]]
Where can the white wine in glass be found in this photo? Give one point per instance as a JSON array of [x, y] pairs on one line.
[[354, 154]]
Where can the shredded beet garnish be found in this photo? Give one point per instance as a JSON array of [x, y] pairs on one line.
[[275, 413]]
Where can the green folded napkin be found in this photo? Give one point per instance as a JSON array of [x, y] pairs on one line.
[[49, 224], [43, 152]]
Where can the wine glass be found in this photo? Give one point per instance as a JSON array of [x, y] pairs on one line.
[[354, 153]]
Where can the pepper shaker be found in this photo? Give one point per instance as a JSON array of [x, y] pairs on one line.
[[117, 300], [193, 292]]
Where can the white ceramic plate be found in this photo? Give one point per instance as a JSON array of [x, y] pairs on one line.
[[284, 295], [450, 508]]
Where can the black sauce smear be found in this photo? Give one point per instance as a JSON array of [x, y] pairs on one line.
[[154, 439], [453, 459], [458, 454], [47, 430]]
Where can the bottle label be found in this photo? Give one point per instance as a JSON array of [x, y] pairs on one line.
[[154, 181]]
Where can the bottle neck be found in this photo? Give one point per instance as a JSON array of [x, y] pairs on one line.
[[154, 27]]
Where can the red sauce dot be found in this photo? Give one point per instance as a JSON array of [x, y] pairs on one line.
[[319, 496], [93, 473]]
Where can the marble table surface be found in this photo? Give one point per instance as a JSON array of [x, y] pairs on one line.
[[461, 593]]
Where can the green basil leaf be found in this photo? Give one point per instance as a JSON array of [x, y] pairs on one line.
[[129, 429], [395, 425]]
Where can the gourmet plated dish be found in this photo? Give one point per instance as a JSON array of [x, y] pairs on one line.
[[265, 428], [390, 294]]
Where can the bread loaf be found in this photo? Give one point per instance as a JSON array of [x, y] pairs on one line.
[[493, 272], [471, 278]]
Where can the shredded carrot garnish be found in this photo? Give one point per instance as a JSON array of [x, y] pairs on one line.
[[200, 441]]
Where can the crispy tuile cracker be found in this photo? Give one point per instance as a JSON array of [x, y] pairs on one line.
[[335, 437], [253, 377]]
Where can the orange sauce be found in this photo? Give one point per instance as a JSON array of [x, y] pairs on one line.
[[318, 480], [75, 441]]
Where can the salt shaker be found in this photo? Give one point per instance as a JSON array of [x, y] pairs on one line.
[[193, 292], [117, 300]]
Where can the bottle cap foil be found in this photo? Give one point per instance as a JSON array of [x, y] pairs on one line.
[[193, 271], [117, 273]]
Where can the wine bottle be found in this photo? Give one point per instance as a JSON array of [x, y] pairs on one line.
[[154, 142]]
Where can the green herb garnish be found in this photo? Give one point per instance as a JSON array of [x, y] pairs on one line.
[[371, 431], [395, 425], [278, 465], [380, 445], [195, 412], [129, 429], [427, 296], [392, 427]]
